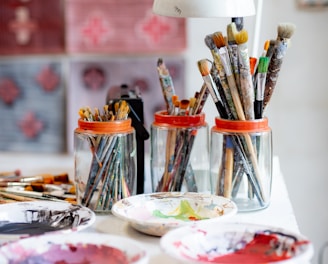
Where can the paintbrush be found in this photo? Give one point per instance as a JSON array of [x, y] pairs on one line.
[[184, 104], [213, 42], [44, 178], [15, 197], [228, 168], [166, 84], [201, 99], [204, 69], [260, 86], [233, 51], [231, 81], [285, 32], [10, 173], [246, 83]]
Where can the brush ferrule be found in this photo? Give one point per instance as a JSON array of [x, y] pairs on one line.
[[224, 55], [260, 86]]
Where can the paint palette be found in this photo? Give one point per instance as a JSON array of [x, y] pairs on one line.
[[236, 243], [76, 247], [157, 213], [23, 219]]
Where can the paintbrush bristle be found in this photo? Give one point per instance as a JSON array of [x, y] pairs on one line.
[[266, 45], [219, 39], [192, 102], [242, 37], [209, 42], [184, 103], [286, 30], [231, 33], [263, 64], [203, 67]]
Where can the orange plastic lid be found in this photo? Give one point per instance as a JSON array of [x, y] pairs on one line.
[[163, 119], [117, 126], [241, 126]]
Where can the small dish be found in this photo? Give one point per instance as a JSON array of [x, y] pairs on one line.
[[157, 213], [77, 248], [21, 219], [236, 243]]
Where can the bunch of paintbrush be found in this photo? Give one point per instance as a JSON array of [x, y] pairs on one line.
[[109, 177], [30, 188], [179, 140], [241, 90]]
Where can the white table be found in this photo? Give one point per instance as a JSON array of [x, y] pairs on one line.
[[279, 213]]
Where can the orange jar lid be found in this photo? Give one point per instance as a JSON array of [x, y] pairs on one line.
[[97, 127], [163, 119], [241, 126]]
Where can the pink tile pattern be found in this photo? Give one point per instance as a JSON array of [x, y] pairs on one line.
[[9, 91], [31, 27], [48, 79], [125, 26], [32, 106], [30, 125]]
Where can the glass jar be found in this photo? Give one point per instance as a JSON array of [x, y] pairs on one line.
[[241, 162], [179, 153], [105, 163]]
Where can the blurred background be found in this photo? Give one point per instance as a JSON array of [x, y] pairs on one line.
[[53, 63]]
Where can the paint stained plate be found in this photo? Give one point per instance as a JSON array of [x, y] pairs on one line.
[[236, 243], [157, 213], [33, 218], [75, 248]]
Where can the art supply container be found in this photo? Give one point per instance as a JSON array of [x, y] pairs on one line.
[[105, 163], [179, 153], [241, 162]]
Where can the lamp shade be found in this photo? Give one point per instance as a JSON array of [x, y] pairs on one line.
[[204, 8]]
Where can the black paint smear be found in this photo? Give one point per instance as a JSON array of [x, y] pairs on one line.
[[27, 228]]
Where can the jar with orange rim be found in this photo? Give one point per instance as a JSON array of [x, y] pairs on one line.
[[241, 162], [179, 153], [105, 160]]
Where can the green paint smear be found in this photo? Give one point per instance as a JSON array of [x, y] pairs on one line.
[[184, 212]]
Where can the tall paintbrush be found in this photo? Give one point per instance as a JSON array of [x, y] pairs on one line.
[[205, 71], [246, 83], [285, 32], [260, 86], [225, 59], [210, 42]]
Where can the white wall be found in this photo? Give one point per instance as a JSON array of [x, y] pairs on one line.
[[298, 109]]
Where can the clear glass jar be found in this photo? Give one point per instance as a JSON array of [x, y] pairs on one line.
[[105, 163], [241, 162], [179, 153]]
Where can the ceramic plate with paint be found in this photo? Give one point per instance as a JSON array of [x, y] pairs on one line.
[[236, 243], [77, 248], [157, 213], [32, 218]]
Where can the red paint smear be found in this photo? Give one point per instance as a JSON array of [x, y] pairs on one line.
[[78, 254], [260, 250]]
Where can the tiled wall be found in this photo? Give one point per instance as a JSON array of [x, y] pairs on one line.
[[57, 56]]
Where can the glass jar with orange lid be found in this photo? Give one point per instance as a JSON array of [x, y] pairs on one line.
[[241, 162], [105, 162]]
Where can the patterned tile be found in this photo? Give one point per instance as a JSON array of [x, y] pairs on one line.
[[125, 26], [31, 27], [32, 106]]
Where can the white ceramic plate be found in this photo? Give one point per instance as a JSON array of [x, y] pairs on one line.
[[157, 213], [236, 243], [81, 247], [32, 218]]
